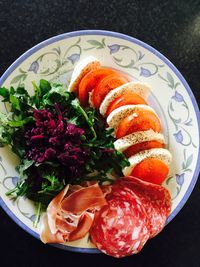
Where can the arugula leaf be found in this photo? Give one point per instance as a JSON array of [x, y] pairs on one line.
[[23, 167], [89, 119], [21, 92], [5, 136], [56, 94], [74, 120], [51, 184], [20, 123], [38, 212], [45, 86], [4, 92], [5, 130], [19, 190], [15, 102], [37, 95]]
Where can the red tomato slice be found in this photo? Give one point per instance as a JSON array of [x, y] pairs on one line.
[[125, 99], [142, 146], [90, 81], [107, 84], [140, 120], [151, 170]]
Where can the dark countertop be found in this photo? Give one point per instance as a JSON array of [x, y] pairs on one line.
[[173, 28]]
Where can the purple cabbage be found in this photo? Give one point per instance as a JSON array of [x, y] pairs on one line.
[[52, 138]]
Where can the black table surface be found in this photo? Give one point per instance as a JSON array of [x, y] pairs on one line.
[[173, 28]]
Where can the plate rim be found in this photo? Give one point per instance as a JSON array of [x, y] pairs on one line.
[[134, 40]]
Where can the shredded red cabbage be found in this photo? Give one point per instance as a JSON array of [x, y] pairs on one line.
[[52, 138]]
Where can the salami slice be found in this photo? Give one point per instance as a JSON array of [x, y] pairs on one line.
[[120, 229], [155, 198]]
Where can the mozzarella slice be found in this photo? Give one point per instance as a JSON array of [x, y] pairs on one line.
[[117, 115], [138, 137], [81, 69], [159, 153], [134, 87]]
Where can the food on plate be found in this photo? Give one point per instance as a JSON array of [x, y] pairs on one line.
[[138, 137], [90, 81], [142, 91], [140, 120], [125, 99], [151, 170], [106, 85], [75, 146], [136, 211], [155, 198], [120, 229], [118, 115], [82, 68], [159, 153], [70, 214], [142, 146]]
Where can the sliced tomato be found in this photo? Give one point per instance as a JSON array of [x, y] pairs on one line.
[[140, 120], [107, 84], [151, 170], [142, 146], [90, 81], [125, 99]]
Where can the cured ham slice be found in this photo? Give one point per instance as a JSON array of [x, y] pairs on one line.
[[91, 198], [46, 235], [70, 214], [53, 208], [83, 228]]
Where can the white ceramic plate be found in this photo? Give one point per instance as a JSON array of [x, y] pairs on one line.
[[54, 60]]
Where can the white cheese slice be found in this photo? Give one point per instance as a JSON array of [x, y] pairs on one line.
[[159, 153], [136, 138], [117, 115], [81, 69], [141, 89]]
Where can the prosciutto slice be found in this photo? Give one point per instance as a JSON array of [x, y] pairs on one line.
[[70, 214], [85, 198]]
